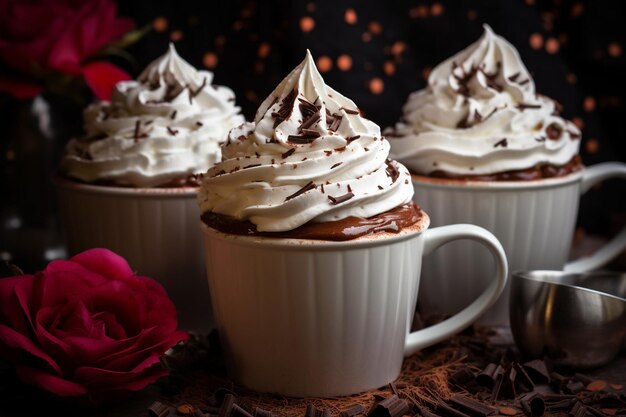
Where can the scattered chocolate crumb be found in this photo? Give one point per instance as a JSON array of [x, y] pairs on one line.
[[171, 131], [137, 130], [352, 138], [198, 123], [380, 187], [502, 142], [391, 170], [336, 165], [287, 153], [173, 115], [541, 139]]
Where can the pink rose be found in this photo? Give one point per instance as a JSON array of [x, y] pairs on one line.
[[58, 35], [87, 329]]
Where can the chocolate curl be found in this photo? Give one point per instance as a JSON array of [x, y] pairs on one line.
[[237, 411], [487, 377], [260, 412], [538, 371], [158, 409], [227, 405], [533, 405], [462, 376], [352, 411], [390, 407], [472, 406]]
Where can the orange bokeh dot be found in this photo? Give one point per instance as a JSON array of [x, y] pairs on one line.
[[389, 68], [176, 35], [591, 146], [350, 16], [571, 78], [237, 25], [324, 63], [210, 60], [615, 49], [419, 11], [375, 28], [310, 7], [159, 24], [344, 62], [307, 24], [577, 9], [220, 41], [530, 2], [376, 85], [589, 104], [264, 50], [552, 45], [436, 9], [578, 122], [536, 41], [251, 96], [398, 48], [472, 15], [366, 37], [259, 67]]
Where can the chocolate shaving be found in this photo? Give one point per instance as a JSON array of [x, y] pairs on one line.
[[502, 142], [514, 77], [554, 131], [349, 111], [472, 406], [227, 405], [336, 165], [463, 79], [573, 135], [199, 124], [197, 91], [173, 115], [352, 411], [286, 107], [495, 86], [391, 170], [158, 409], [391, 406], [477, 116], [171, 131], [310, 133], [526, 81], [260, 412], [137, 133], [287, 153], [540, 139], [340, 199], [308, 187], [301, 139], [251, 166], [352, 138], [524, 106], [538, 370]]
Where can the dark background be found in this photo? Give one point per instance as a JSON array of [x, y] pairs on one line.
[[573, 49], [375, 52]]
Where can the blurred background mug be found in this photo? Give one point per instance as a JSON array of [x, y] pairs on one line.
[[534, 221]]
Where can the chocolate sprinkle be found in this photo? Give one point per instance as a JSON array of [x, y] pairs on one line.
[[171, 131], [301, 139], [340, 199], [199, 124], [352, 138], [349, 111], [392, 171], [308, 187], [251, 166], [514, 77], [286, 107], [287, 153], [173, 115], [524, 106], [502, 142], [336, 165], [137, 129], [194, 93]]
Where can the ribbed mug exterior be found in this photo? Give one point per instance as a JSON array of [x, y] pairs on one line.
[[154, 229], [310, 318], [534, 221]]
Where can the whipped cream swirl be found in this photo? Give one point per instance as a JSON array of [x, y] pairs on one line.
[[480, 115], [308, 156], [165, 126]]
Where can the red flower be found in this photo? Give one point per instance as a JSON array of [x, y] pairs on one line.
[[86, 329], [57, 35]]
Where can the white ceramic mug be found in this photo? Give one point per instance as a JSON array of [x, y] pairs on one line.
[[155, 229], [322, 318], [534, 221]]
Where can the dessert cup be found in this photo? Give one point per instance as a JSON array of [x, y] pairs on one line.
[[155, 229], [534, 221], [325, 318]]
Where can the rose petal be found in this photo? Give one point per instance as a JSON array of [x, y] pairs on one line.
[[54, 384], [18, 344], [102, 76], [97, 377], [104, 262], [20, 89], [12, 306]]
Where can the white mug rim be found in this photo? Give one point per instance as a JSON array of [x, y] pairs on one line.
[[379, 239], [171, 192], [459, 184]]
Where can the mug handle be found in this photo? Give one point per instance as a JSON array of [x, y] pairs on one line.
[[434, 238], [610, 250]]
